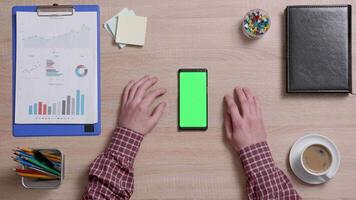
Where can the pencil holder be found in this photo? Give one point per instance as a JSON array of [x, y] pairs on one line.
[[33, 183]]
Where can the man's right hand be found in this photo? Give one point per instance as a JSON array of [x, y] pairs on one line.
[[243, 119]]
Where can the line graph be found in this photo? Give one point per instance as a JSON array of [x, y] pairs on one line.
[[71, 39], [31, 69]]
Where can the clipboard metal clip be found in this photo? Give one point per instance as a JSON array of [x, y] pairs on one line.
[[55, 10]]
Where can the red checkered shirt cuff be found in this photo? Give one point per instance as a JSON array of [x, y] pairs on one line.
[[125, 142], [256, 158]]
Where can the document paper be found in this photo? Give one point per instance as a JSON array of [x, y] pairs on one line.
[[56, 69]]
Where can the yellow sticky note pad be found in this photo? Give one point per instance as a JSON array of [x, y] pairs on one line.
[[132, 30]]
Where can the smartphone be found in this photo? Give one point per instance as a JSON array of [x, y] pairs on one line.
[[193, 99]]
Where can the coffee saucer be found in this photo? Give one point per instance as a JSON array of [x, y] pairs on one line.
[[297, 149]]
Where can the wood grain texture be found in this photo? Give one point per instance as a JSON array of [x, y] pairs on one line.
[[172, 165]]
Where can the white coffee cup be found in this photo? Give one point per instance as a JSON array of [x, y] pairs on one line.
[[317, 149]]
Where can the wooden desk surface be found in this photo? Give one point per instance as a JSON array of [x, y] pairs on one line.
[[172, 165]]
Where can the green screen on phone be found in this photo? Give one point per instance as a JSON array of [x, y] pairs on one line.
[[193, 99]]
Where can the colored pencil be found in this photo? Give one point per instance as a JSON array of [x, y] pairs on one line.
[[40, 157], [24, 162], [39, 164], [27, 171], [44, 153], [35, 176], [42, 171], [34, 167], [57, 164], [34, 171], [20, 153], [51, 155], [52, 158]]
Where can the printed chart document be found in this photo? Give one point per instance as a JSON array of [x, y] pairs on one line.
[[56, 69]]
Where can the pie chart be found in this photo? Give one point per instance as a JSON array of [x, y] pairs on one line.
[[81, 71]]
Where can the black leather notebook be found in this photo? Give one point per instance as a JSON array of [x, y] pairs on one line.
[[319, 48]]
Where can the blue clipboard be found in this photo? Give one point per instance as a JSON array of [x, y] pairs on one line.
[[31, 130]]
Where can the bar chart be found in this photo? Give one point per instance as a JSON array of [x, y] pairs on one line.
[[69, 105]]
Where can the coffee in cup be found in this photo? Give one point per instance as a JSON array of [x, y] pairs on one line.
[[316, 159]]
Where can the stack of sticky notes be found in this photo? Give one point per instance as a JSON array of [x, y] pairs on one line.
[[126, 28]]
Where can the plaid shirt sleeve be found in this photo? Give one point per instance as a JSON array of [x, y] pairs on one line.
[[265, 181], [111, 173]]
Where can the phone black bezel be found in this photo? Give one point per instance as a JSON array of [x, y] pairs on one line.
[[207, 113]]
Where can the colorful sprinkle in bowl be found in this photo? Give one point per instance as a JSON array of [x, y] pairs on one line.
[[256, 23]]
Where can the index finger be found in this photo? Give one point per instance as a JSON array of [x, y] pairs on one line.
[[134, 87], [243, 101], [232, 109], [144, 87], [125, 94]]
